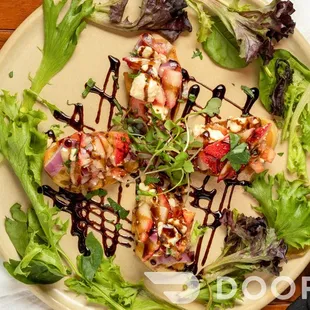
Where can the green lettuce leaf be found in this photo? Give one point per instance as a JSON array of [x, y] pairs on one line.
[[295, 122], [286, 206], [60, 37], [39, 262], [23, 146], [109, 288]]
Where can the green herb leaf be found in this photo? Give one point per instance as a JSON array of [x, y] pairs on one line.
[[198, 231], [134, 75], [98, 192], [119, 209], [197, 53], [151, 180], [57, 131], [213, 107], [248, 91], [11, 74], [118, 226], [239, 154], [188, 166], [280, 154], [88, 265], [88, 87], [192, 98]]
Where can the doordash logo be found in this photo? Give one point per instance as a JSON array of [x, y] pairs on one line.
[[190, 287]]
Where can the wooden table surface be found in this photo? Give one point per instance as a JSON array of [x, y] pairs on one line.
[[12, 13]]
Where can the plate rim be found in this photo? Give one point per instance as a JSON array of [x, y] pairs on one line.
[[38, 290]]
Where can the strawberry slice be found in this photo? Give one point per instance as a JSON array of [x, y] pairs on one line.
[[217, 149], [172, 82], [207, 162], [258, 134]]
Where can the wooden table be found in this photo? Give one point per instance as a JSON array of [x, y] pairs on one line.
[[12, 13]]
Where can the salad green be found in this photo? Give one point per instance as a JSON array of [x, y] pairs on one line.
[[291, 105], [280, 200], [234, 35]]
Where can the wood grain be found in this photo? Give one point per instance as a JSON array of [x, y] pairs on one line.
[[12, 14]]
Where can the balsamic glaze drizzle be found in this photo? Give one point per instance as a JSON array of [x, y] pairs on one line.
[[51, 134], [219, 92], [201, 193], [114, 68], [191, 102], [81, 211], [250, 102], [76, 121]]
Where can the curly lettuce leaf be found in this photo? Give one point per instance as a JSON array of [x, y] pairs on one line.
[[60, 37], [286, 206]]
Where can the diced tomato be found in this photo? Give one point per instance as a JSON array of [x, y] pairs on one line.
[[121, 142], [188, 217], [172, 82], [268, 154], [257, 166]]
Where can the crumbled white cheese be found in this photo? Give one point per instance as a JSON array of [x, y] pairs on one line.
[[199, 130], [215, 135], [162, 111], [153, 90], [138, 88], [147, 51], [138, 85], [144, 187], [172, 202], [177, 223], [234, 126], [73, 154], [65, 154]]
